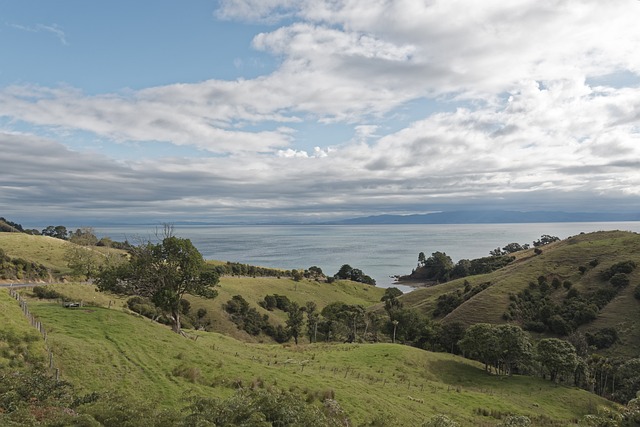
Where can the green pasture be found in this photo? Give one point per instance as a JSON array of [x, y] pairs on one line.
[[101, 349]]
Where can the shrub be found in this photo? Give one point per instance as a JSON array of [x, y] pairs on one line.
[[603, 338], [636, 292], [559, 326], [440, 420], [625, 267], [46, 292], [619, 280], [144, 307], [515, 421], [257, 407]]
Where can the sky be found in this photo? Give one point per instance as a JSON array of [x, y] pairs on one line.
[[313, 110]]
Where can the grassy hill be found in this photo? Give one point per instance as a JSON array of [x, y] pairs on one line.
[[47, 251], [101, 349], [44, 250], [561, 260]]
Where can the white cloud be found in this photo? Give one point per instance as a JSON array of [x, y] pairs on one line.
[[251, 10], [53, 29], [528, 127]]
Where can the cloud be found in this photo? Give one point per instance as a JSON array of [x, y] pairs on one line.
[[523, 127], [516, 154], [38, 28], [270, 11]]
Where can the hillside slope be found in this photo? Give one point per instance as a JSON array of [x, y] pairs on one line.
[[562, 261], [47, 251], [101, 349]]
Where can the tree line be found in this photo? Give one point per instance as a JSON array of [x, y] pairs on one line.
[[439, 267]]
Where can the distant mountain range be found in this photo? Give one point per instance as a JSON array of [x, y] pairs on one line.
[[491, 217]]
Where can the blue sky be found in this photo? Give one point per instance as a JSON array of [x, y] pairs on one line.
[[263, 110]]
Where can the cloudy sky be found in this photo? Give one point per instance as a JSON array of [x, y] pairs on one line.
[[259, 110]]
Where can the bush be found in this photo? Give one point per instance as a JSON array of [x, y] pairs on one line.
[[603, 338], [636, 292], [534, 326], [515, 421], [258, 407], [46, 292], [619, 280], [559, 326], [625, 267], [440, 420], [144, 307]]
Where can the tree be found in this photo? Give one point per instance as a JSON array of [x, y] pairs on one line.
[[438, 266], [557, 357], [545, 239], [391, 293], [58, 231], [480, 341], [347, 272], [421, 259], [82, 261], [295, 320], [164, 273], [512, 247], [84, 236], [449, 335], [514, 347], [313, 318], [315, 272]]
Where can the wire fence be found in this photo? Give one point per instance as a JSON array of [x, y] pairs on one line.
[[39, 326]]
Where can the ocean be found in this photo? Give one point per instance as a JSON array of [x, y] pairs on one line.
[[381, 251]]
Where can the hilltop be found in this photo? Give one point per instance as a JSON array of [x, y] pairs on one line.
[[577, 263]]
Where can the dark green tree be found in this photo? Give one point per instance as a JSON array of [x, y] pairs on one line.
[[163, 272], [514, 347], [480, 342], [295, 321], [313, 318], [421, 259], [449, 335], [391, 293], [58, 231], [512, 247], [438, 266], [346, 272], [557, 357]]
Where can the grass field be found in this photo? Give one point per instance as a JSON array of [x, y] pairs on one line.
[[20, 344], [100, 349]]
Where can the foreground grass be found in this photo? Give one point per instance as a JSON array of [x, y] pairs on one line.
[[20, 344], [101, 349]]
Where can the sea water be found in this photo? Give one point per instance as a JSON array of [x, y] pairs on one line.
[[380, 251]]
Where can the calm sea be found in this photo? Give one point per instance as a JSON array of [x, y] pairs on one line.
[[381, 251]]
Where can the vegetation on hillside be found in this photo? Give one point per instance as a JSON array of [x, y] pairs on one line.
[[125, 367], [552, 311]]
